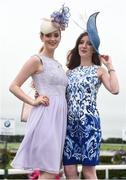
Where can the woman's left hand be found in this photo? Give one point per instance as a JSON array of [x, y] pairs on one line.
[[105, 59]]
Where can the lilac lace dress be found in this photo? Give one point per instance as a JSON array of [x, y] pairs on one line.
[[42, 146]]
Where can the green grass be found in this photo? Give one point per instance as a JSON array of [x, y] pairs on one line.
[[104, 146], [112, 147], [10, 146]]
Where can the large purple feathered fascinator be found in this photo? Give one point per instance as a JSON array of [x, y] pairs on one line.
[[58, 20], [61, 17]]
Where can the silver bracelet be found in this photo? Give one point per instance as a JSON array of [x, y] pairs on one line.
[[110, 70]]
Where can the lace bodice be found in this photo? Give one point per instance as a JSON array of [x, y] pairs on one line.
[[52, 80]]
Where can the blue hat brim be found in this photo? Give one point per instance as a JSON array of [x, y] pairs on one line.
[[92, 31]]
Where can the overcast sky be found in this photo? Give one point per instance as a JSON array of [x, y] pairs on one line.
[[19, 39]]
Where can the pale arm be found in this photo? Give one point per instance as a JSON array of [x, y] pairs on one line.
[[108, 75], [29, 68]]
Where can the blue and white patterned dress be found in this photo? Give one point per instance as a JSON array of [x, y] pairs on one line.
[[83, 136]]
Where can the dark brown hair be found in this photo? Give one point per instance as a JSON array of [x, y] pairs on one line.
[[73, 57]]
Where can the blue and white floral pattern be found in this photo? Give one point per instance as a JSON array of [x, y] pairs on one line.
[[83, 129]]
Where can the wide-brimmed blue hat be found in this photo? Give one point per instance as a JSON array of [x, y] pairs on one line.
[[92, 31]]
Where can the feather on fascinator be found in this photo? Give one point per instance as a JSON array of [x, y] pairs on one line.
[[93, 32], [58, 21], [91, 29]]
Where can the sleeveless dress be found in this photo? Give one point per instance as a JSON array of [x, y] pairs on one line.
[[42, 146], [83, 135]]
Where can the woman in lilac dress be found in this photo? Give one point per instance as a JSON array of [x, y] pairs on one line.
[[85, 76], [42, 146]]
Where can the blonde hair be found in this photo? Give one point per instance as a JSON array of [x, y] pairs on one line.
[[41, 49]]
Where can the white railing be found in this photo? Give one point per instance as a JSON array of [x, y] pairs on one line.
[[15, 171], [107, 168], [98, 167]]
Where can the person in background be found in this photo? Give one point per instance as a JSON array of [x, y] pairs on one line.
[[87, 70], [42, 146]]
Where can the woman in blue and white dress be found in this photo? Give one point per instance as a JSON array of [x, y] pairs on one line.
[[85, 76]]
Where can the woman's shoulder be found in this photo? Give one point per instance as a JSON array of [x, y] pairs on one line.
[[101, 68], [101, 71], [96, 66], [35, 59]]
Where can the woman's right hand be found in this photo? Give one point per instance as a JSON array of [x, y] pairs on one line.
[[43, 100]]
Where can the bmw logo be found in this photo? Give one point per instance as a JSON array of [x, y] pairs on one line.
[[7, 124]]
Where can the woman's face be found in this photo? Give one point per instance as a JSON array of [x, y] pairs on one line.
[[51, 40], [85, 47]]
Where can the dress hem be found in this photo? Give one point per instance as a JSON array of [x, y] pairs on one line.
[[34, 168]]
